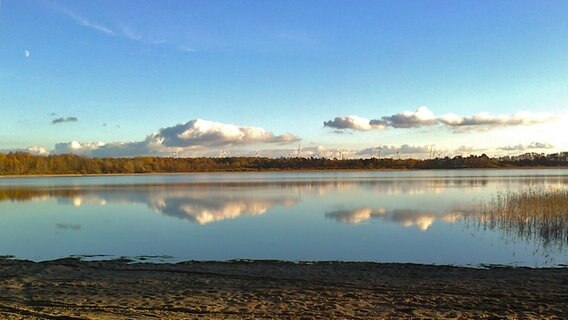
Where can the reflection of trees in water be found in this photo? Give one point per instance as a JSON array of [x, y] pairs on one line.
[[318, 186], [28, 194], [405, 185], [534, 215]]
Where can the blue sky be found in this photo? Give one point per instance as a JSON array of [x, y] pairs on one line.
[[199, 77]]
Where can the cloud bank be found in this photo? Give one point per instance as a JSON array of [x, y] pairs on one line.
[[467, 149], [532, 145], [208, 133], [389, 150], [486, 121], [193, 136], [424, 117], [33, 150]]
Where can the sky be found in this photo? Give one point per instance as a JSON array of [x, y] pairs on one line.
[[283, 78]]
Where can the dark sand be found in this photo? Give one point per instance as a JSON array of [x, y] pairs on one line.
[[73, 289]]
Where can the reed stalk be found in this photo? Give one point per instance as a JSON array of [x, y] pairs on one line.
[[534, 214]]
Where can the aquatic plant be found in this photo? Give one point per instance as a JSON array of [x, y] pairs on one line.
[[534, 214]]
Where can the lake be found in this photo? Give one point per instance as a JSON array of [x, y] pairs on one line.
[[384, 216]]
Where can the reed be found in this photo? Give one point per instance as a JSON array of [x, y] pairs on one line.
[[534, 214]]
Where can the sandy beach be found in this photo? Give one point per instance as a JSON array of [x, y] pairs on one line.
[[74, 289]]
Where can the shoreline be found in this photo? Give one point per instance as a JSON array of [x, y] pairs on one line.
[[74, 289], [170, 261], [76, 175]]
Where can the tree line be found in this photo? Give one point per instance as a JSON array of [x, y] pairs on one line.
[[22, 163]]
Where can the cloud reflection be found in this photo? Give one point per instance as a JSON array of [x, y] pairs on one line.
[[205, 202], [355, 216], [81, 200], [422, 220], [207, 211], [201, 204]]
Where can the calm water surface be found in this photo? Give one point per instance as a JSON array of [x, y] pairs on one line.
[[410, 216]]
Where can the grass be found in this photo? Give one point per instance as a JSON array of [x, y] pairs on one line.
[[535, 214]]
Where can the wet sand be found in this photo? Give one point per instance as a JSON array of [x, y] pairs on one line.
[[74, 289]]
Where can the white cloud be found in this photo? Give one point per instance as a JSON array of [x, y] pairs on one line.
[[466, 149], [194, 138], [319, 152], [540, 145], [486, 121], [518, 147], [34, 150], [390, 150], [305, 152], [353, 123], [522, 147], [424, 117], [208, 133], [75, 147], [117, 149], [408, 119]]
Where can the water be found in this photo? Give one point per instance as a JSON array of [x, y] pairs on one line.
[[394, 216]]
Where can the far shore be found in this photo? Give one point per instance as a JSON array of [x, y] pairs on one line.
[[116, 289], [266, 171]]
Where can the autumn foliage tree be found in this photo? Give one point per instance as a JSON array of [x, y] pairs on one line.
[[22, 163]]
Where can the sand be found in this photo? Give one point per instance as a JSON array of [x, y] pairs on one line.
[[74, 289]]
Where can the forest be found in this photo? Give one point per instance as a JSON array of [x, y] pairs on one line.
[[22, 163]]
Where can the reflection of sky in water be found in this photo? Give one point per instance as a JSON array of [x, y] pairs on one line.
[[406, 217], [376, 216]]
